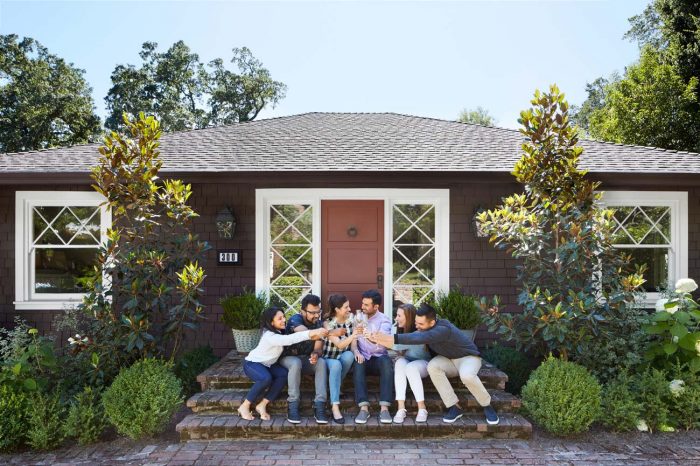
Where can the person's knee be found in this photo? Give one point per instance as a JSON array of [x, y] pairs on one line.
[[293, 365], [266, 380], [469, 379], [320, 365], [434, 368]]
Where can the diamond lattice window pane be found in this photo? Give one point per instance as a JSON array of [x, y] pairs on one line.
[[414, 224], [291, 224], [414, 265], [642, 225]]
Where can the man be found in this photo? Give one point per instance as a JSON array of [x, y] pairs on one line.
[[304, 358], [456, 355], [371, 358]]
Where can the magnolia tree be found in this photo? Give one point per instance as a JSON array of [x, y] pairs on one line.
[[148, 294], [573, 282]]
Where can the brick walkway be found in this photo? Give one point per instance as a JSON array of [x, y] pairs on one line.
[[630, 449]]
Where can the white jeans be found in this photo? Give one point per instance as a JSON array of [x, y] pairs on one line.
[[414, 372]]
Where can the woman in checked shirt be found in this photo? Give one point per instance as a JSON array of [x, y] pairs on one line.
[[336, 349]]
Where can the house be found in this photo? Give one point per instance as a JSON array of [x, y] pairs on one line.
[[333, 202]]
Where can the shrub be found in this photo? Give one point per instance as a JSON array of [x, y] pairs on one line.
[[45, 421], [684, 405], [653, 394], [86, 417], [514, 363], [243, 311], [675, 327], [571, 277], [461, 309], [143, 398], [620, 410], [13, 417], [562, 397], [191, 364]]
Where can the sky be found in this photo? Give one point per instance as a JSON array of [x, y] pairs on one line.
[[424, 58]]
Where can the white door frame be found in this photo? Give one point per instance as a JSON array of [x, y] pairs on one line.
[[440, 198]]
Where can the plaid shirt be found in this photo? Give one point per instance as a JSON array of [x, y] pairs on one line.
[[330, 351]]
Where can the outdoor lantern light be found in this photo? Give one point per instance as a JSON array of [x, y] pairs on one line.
[[478, 231], [226, 223]]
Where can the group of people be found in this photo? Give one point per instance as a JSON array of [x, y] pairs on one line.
[[329, 346]]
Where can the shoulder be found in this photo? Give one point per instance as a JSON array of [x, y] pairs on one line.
[[295, 321]]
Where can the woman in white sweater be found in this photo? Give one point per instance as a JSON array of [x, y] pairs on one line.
[[261, 364]]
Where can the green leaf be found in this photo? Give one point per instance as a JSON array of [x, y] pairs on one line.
[[679, 330], [670, 348], [30, 384]]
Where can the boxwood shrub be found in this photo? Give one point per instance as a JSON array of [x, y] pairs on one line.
[[143, 398], [562, 397]]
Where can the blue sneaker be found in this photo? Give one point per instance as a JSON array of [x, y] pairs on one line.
[[453, 414], [293, 415], [491, 416]]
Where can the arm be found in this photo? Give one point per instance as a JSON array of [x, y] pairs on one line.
[[342, 344], [382, 339], [425, 337], [277, 339], [358, 357]]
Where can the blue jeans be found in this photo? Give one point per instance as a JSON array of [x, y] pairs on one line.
[[337, 370], [384, 368], [268, 381]]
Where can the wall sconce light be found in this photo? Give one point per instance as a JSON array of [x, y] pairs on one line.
[[226, 223], [478, 231]]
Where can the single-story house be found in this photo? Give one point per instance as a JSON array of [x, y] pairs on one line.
[[333, 202]]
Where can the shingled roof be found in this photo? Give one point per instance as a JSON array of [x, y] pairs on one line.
[[353, 142]]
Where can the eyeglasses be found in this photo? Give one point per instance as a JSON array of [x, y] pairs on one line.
[[313, 313]]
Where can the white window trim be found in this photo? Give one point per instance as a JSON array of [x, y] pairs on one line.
[[25, 201], [678, 202], [439, 197]]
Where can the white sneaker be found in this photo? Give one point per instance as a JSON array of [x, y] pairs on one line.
[[400, 416], [422, 415]]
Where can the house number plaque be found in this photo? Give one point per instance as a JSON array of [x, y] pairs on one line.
[[228, 257]]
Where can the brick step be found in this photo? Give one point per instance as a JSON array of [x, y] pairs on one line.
[[231, 426], [228, 401], [228, 373]]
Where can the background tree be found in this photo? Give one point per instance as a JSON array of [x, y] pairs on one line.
[[657, 100], [44, 101], [480, 116], [185, 94]]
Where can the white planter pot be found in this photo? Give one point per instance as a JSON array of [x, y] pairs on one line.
[[246, 340]]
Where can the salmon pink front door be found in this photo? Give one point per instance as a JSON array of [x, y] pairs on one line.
[[352, 249]]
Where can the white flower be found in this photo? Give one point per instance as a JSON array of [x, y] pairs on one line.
[[660, 304], [674, 339], [686, 285], [676, 386], [642, 426]]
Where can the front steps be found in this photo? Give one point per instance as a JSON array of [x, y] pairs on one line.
[[224, 386]]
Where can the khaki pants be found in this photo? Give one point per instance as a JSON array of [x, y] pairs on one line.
[[440, 368]]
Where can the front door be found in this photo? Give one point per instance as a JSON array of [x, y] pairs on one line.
[[352, 249]]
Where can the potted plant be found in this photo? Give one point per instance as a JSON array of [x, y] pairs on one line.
[[242, 314], [463, 310]]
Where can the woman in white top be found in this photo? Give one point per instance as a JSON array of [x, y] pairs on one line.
[[261, 364], [412, 366]]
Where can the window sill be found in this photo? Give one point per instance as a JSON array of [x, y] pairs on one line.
[[45, 305]]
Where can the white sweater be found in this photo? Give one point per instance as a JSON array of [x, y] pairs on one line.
[[271, 345]]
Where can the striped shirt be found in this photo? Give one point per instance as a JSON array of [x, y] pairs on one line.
[[330, 351]]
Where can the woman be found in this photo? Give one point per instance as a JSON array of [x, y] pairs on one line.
[[336, 348], [261, 364], [411, 366]]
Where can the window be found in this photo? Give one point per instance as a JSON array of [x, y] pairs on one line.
[[57, 240], [652, 226]]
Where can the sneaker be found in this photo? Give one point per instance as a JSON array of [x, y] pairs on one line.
[[491, 416], [385, 416], [362, 416], [422, 415], [453, 414], [400, 416], [320, 413], [293, 415]]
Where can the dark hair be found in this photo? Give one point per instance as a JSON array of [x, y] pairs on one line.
[[374, 296], [310, 299], [267, 316], [335, 301], [409, 311], [426, 310]]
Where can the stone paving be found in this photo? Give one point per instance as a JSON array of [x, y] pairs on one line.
[[607, 449]]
